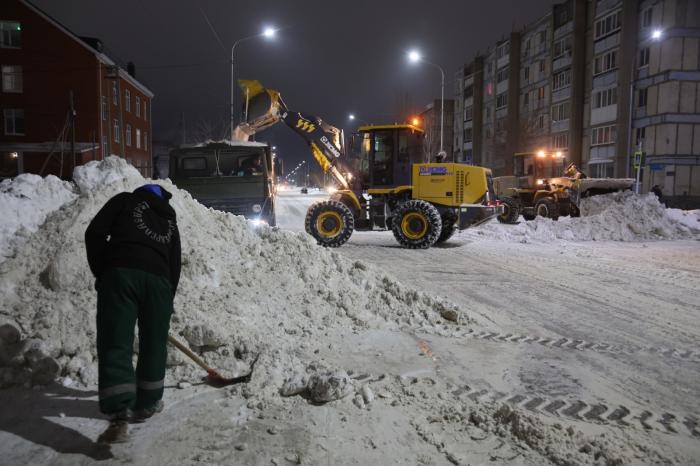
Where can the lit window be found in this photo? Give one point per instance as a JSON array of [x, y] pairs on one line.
[[104, 108], [11, 79], [138, 106], [10, 34], [127, 98], [128, 135], [138, 138], [14, 121], [115, 94]]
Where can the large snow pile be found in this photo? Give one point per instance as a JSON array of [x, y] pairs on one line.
[[622, 216], [242, 291], [24, 203]]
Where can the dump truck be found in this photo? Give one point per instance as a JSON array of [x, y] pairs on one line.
[[231, 176], [386, 186], [536, 190]]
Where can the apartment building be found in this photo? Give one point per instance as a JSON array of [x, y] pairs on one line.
[[63, 101], [597, 81]]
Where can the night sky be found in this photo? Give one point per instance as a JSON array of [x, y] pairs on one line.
[[331, 58]]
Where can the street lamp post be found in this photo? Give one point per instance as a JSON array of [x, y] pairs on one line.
[[656, 35], [415, 57], [268, 33]]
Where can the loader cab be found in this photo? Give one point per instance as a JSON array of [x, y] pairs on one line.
[[383, 154], [529, 167]]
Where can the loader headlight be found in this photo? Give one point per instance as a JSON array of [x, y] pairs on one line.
[[331, 189], [257, 208], [258, 222], [540, 182]]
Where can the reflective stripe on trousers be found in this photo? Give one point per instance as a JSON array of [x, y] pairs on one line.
[[117, 390], [145, 385]]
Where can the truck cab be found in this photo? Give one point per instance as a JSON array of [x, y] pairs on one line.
[[231, 176]]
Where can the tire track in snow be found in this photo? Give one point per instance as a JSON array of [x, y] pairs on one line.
[[685, 423], [582, 345]]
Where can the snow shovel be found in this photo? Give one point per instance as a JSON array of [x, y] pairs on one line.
[[214, 376]]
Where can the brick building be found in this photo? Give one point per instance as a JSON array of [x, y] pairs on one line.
[[46, 71]]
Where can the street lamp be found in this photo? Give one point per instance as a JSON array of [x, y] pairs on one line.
[[353, 117], [268, 33], [414, 57], [655, 36]]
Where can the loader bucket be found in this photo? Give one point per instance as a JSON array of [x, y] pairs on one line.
[[262, 106]]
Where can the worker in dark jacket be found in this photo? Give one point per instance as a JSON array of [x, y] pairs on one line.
[[133, 248]]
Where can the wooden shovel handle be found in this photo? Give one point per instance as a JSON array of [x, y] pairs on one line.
[[189, 353]]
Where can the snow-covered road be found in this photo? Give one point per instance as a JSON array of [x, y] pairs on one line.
[[597, 331]]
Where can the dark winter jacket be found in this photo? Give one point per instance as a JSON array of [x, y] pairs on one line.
[[135, 230]]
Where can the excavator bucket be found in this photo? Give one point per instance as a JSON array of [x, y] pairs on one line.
[[262, 108]]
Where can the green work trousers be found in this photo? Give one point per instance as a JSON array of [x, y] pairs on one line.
[[125, 296]]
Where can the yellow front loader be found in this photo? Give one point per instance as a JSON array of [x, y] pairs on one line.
[[383, 183]]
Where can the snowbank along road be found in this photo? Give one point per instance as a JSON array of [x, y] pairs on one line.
[[525, 344]]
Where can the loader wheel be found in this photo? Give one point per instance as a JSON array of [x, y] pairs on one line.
[[511, 211], [448, 229], [330, 222], [547, 208], [416, 224]]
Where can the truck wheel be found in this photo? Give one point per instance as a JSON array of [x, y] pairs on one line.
[[511, 211], [448, 229], [529, 217], [330, 222], [547, 208], [416, 224]]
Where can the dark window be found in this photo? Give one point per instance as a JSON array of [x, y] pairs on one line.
[[14, 121], [642, 99], [646, 17], [467, 135], [468, 91], [10, 34], [542, 66], [381, 164], [193, 163], [502, 74], [502, 100], [644, 57]]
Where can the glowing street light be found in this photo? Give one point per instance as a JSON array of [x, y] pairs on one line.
[[541, 154], [352, 117], [656, 34], [414, 57], [268, 33]]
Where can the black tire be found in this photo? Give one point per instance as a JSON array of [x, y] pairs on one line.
[[416, 224], [331, 223], [547, 208], [448, 229], [574, 211], [511, 211]]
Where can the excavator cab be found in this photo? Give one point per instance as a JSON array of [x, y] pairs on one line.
[[384, 154]]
